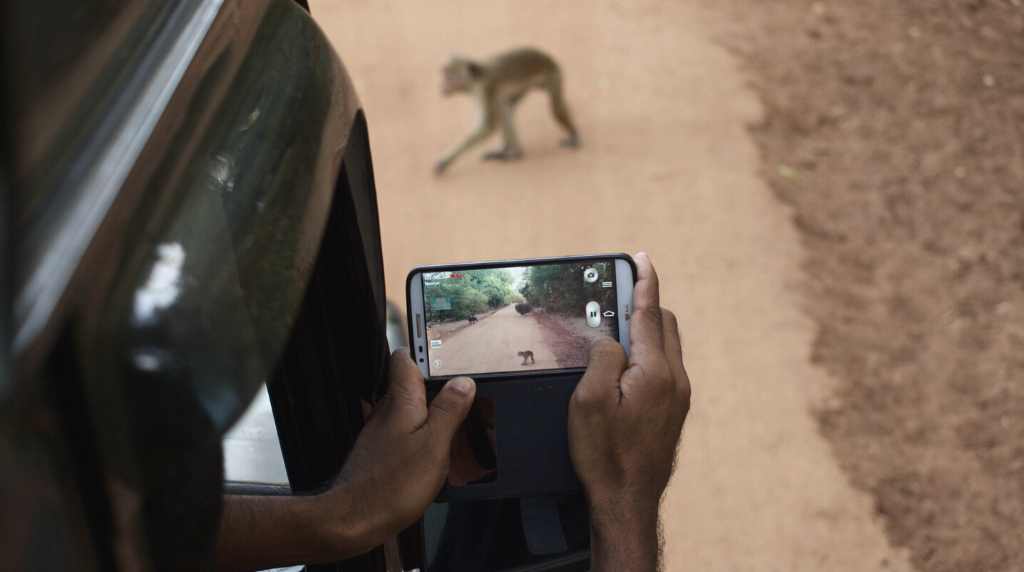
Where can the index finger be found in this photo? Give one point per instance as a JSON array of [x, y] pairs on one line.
[[405, 383], [645, 330]]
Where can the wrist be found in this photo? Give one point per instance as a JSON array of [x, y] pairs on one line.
[[621, 522], [624, 505], [341, 524], [625, 535]]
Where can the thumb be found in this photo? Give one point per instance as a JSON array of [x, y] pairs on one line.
[[450, 407], [599, 386]]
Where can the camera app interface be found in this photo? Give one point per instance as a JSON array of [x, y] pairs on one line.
[[500, 320]]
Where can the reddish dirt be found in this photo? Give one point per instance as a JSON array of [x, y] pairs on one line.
[[570, 349], [667, 166], [894, 130]]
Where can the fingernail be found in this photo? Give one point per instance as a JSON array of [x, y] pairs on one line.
[[461, 385], [642, 255]]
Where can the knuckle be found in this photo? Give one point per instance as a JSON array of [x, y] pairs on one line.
[[660, 375], [670, 318], [686, 395], [651, 313], [399, 355], [582, 398], [654, 376]]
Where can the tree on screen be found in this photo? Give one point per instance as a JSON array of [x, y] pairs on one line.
[[555, 288], [469, 293]]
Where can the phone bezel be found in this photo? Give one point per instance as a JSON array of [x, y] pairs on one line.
[[625, 279]]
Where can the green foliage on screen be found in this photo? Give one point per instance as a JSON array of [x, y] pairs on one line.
[[559, 288], [476, 292]]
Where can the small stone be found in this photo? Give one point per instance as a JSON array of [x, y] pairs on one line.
[[786, 172]]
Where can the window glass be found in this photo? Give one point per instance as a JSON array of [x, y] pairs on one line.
[[252, 451]]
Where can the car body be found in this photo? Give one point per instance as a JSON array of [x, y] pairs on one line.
[[174, 173], [188, 215]]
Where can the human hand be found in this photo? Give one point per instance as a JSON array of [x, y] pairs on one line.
[[400, 460], [625, 419]]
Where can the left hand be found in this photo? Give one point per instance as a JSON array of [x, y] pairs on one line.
[[400, 460]]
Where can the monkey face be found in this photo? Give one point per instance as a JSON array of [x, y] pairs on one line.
[[460, 75]]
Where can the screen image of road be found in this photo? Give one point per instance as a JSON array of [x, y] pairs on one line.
[[518, 318]]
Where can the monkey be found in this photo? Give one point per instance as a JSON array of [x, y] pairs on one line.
[[499, 84], [527, 355], [472, 319]]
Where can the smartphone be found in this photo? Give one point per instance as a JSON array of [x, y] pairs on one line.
[[517, 317]]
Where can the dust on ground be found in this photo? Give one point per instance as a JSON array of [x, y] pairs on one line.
[[894, 129]]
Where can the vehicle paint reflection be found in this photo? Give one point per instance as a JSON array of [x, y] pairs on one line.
[[164, 283]]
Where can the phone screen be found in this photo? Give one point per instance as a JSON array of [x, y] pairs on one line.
[[541, 316]]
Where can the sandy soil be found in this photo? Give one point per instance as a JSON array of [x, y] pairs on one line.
[[667, 166], [894, 131], [492, 344]]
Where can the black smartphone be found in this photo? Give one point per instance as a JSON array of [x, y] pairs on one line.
[[517, 317]]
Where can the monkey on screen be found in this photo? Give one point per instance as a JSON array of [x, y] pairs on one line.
[[498, 84]]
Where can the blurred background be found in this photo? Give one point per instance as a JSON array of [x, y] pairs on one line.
[[833, 195]]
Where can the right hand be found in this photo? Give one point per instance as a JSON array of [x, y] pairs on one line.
[[625, 419]]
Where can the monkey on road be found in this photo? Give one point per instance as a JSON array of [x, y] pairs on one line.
[[499, 84]]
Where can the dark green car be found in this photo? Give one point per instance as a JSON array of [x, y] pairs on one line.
[[188, 215]]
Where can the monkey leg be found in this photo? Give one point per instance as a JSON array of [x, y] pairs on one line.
[[510, 150], [483, 131], [561, 112]]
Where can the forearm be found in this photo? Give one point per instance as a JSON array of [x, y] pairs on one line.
[[259, 532], [624, 540]]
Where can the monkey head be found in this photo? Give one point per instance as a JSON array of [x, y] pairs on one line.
[[460, 75]]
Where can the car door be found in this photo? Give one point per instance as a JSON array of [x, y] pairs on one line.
[[174, 176]]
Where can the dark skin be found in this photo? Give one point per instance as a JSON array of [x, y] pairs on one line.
[[625, 419], [361, 509]]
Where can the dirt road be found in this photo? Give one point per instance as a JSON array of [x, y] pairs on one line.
[[492, 345], [667, 166]]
